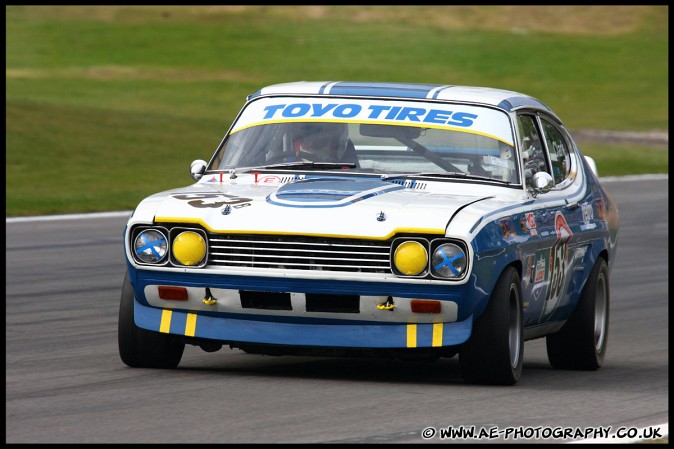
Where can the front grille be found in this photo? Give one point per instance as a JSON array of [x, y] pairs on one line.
[[299, 253]]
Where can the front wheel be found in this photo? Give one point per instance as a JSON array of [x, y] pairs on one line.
[[581, 343], [495, 350], [140, 348]]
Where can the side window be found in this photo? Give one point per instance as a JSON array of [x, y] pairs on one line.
[[533, 155], [558, 151]]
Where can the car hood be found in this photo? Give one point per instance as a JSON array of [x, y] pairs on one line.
[[321, 206]]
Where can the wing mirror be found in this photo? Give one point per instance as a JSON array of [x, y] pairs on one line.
[[197, 169], [542, 182]]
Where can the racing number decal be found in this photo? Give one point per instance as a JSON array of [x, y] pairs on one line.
[[204, 200], [557, 266]]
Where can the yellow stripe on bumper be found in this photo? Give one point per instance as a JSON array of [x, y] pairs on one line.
[[191, 324], [437, 334], [165, 325], [411, 335]]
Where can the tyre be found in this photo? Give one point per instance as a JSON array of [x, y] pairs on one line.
[[140, 348], [581, 343], [494, 353]]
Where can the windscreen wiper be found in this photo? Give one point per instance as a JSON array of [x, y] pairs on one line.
[[306, 165], [459, 175]]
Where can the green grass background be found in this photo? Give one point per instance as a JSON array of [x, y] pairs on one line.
[[108, 104]]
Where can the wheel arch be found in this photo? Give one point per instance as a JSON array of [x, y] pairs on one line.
[[482, 305]]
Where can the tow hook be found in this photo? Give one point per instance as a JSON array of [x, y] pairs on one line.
[[388, 305], [209, 299]]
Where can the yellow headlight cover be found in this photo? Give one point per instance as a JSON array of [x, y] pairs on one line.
[[410, 258], [189, 248]]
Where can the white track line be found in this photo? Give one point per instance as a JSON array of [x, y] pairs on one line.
[[68, 217]]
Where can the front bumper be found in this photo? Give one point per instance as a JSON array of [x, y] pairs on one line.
[[351, 335], [367, 327]]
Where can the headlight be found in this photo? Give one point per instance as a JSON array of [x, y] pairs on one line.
[[410, 258], [189, 248], [150, 246], [448, 261]]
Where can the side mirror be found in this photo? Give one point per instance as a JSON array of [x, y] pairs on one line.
[[197, 169], [542, 182]]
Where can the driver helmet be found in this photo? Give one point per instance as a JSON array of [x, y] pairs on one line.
[[320, 142]]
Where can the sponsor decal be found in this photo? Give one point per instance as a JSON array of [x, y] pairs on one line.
[[466, 118], [529, 276], [274, 179], [530, 221], [558, 264], [588, 216], [506, 228], [541, 269], [370, 112], [539, 279], [539, 291], [267, 179], [601, 210], [213, 200]]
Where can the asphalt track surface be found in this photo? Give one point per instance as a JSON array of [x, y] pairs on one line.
[[65, 382]]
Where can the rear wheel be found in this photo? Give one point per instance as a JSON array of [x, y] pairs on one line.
[[494, 352], [140, 348], [581, 343]]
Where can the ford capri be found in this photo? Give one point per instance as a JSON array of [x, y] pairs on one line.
[[395, 220]]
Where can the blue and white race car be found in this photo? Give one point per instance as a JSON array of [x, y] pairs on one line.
[[400, 220]]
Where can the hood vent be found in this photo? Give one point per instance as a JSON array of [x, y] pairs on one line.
[[410, 184]]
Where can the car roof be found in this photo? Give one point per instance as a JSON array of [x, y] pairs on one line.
[[504, 99]]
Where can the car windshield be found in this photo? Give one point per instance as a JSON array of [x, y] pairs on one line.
[[386, 137]]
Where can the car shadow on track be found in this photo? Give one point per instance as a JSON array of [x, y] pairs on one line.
[[537, 372]]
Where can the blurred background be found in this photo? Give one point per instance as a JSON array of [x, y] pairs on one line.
[[108, 104]]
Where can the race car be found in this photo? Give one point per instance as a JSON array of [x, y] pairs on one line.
[[397, 220]]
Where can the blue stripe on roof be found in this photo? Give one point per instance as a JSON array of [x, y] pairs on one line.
[[383, 89], [323, 87], [438, 90], [513, 102]]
